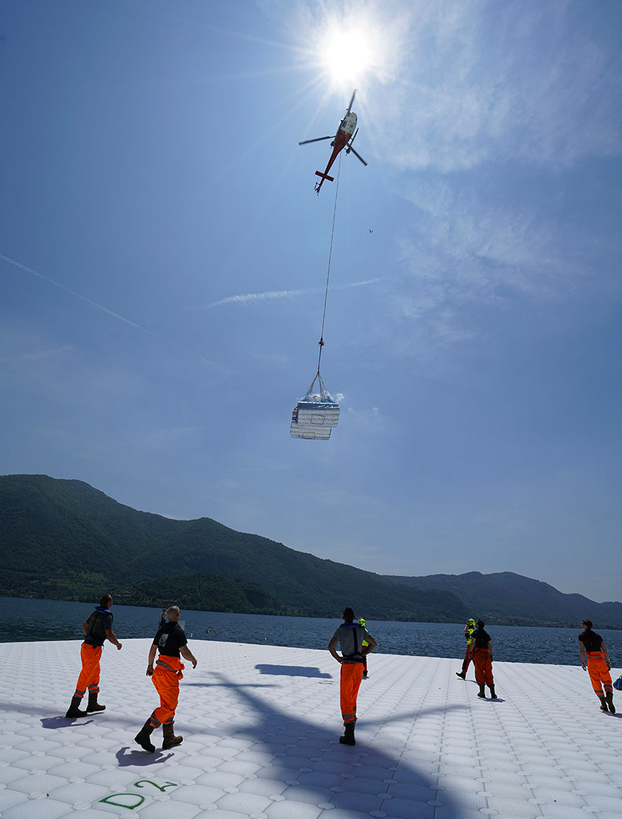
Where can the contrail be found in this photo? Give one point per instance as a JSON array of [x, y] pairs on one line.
[[104, 309], [250, 297], [246, 298]]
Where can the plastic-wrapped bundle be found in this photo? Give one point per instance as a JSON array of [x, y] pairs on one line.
[[315, 415]]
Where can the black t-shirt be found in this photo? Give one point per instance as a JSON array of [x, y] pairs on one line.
[[98, 623], [591, 640], [169, 638], [481, 638]]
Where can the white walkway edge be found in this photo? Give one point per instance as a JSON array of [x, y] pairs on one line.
[[261, 727]]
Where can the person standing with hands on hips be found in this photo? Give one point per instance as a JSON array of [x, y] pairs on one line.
[[350, 636], [170, 641]]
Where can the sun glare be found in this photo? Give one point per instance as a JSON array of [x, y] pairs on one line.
[[347, 56]]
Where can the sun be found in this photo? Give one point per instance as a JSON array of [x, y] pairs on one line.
[[347, 54]]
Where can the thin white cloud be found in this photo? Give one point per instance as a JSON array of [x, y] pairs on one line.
[[478, 244], [459, 254], [485, 81], [461, 83], [249, 298], [36, 356], [101, 308], [275, 295]]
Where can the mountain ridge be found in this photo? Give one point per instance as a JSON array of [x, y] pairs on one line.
[[64, 539], [502, 594]]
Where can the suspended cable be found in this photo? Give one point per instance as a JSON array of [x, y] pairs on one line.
[[330, 256]]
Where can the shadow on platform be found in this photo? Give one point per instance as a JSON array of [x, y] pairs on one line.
[[129, 756], [306, 755], [292, 671], [62, 722]]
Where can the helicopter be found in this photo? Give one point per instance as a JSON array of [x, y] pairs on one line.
[[344, 138]]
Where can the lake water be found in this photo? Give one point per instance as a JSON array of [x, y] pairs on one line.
[[25, 620]]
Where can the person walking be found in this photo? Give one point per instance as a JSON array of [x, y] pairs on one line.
[[481, 653], [468, 633], [365, 644], [350, 637], [598, 665], [97, 629], [170, 641]]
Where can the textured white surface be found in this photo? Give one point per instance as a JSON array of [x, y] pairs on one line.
[[314, 420], [261, 727]]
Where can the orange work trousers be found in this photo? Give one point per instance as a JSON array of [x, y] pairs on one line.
[[483, 666], [89, 676], [599, 673], [166, 676], [351, 676]]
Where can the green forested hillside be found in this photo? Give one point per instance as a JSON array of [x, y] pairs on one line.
[[63, 539], [66, 540]]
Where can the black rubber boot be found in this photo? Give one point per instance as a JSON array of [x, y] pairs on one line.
[[609, 701], [461, 674], [170, 740], [493, 696], [143, 737], [348, 737], [482, 692], [93, 705], [603, 703], [74, 709]]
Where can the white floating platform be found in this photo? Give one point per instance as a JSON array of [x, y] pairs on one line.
[[261, 727]]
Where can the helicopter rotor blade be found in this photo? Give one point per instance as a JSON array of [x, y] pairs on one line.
[[358, 156], [318, 139], [351, 101]]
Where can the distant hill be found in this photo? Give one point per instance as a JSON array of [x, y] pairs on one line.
[[511, 599], [63, 539]]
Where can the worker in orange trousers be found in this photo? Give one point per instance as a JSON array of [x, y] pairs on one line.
[[592, 646], [170, 641], [97, 629], [350, 636], [481, 654]]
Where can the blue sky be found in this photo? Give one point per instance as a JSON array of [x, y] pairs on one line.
[[163, 259]]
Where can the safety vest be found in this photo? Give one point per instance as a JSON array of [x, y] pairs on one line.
[[362, 623]]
